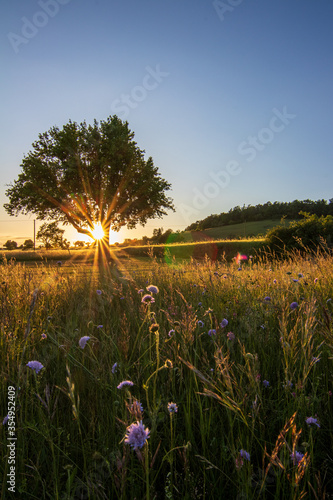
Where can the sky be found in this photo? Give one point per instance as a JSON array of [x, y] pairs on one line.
[[232, 99]]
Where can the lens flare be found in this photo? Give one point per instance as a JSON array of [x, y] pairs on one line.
[[98, 232]]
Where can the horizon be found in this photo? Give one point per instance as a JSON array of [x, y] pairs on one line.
[[233, 100]]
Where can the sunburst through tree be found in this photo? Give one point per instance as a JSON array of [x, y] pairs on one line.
[[93, 177]]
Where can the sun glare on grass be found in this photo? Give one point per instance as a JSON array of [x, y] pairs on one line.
[[98, 232]]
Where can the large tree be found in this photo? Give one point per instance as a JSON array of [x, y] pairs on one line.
[[86, 175]]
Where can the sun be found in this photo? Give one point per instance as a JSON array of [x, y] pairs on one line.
[[98, 232]]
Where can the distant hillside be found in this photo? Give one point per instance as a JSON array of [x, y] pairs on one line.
[[273, 211]]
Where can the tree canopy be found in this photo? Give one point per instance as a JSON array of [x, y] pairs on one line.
[[88, 174]]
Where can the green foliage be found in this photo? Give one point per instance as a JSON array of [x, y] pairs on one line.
[[310, 232], [269, 210], [83, 174]]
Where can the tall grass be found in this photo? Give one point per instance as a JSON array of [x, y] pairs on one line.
[[243, 391]]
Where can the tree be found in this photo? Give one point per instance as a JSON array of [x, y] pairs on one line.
[[88, 174], [28, 244], [10, 245], [50, 235]]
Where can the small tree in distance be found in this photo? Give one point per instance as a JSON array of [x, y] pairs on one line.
[[50, 235], [88, 174], [10, 245]]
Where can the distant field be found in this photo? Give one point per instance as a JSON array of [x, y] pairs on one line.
[[243, 230]]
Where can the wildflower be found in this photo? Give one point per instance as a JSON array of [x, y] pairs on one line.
[[43, 336], [147, 298], [300, 275], [267, 299], [224, 323], [35, 365], [172, 408], [315, 280], [152, 289], [311, 420], [136, 408], [265, 383], [136, 435], [296, 457], [99, 326], [199, 304], [114, 368], [274, 281], [83, 341], [293, 305], [245, 454], [99, 292], [125, 383], [59, 263], [200, 323], [239, 269], [211, 332], [5, 420], [295, 281], [231, 336], [171, 332], [141, 290]]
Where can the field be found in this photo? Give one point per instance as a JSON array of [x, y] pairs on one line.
[[229, 369]]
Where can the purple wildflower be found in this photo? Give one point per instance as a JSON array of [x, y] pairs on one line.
[[147, 299], [265, 383], [83, 341], [267, 299], [5, 420], [136, 435], [311, 420], [171, 332], [245, 454], [43, 336], [296, 457], [99, 292], [224, 323], [152, 289], [141, 290], [211, 332], [293, 305], [125, 383], [35, 365], [172, 408], [231, 336], [200, 323], [114, 368]]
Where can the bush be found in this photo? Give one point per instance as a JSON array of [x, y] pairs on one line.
[[308, 232]]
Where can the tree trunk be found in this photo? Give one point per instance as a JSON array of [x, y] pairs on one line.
[[104, 257]]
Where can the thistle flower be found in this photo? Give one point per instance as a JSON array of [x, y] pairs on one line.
[[125, 383], [35, 365], [172, 408], [136, 435], [152, 289], [224, 323], [147, 299], [83, 341], [311, 420], [136, 408]]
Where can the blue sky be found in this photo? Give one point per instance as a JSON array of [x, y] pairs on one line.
[[232, 99]]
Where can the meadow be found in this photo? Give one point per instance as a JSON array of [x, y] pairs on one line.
[[204, 379]]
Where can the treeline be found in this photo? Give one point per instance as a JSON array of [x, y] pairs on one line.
[[269, 210]]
